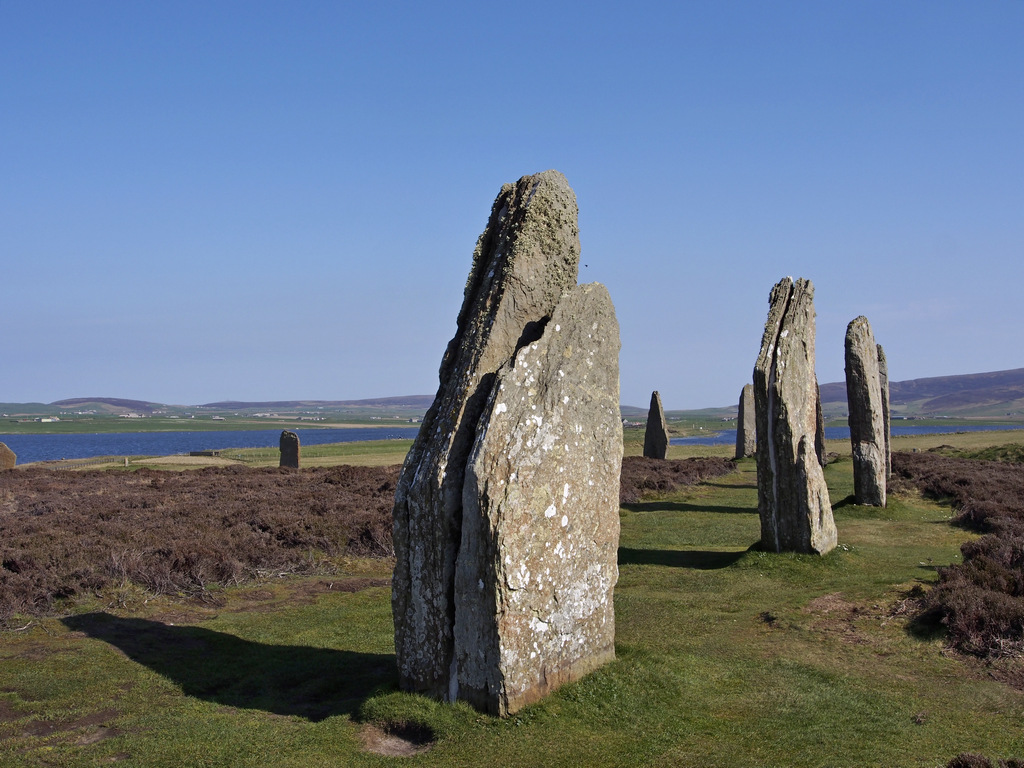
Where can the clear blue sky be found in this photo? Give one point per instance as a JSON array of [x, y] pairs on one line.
[[279, 200]]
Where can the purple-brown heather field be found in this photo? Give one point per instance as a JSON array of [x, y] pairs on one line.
[[65, 533]]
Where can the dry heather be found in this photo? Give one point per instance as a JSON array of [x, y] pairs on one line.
[[65, 533], [642, 476], [981, 601]]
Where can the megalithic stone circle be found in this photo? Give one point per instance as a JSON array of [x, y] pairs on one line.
[[525, 261], [883, 380], [290, 450], [656, 434], [538, 560], [746, 433], [793, 500], [867, 416]]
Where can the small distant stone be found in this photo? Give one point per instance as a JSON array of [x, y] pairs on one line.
[[746, 433], [656, 435], [290, 450], [7, 457]]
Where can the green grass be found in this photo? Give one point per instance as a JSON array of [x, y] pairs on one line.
[[726, 656], [362, 453]]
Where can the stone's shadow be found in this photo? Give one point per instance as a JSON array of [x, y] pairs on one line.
[[849, 501], [679, 506], [748, 486], [314, 683], [702, 560]]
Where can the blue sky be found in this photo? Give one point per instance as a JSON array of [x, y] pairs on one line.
[[269, 200]]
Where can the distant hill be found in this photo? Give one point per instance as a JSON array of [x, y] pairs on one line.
[[409, 401], [109, 404], [995, 394]]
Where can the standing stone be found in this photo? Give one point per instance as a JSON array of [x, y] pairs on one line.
[[656, 434], [8, 459], [746, 434], [290, 449], [883, 380], [792, 498], [867, 419], [525, 260], [540, 528]]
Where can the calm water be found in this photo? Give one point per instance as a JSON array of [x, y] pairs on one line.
[[728, 436], [50, 447]]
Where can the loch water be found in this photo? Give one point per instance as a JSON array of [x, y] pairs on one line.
[[29, 448]]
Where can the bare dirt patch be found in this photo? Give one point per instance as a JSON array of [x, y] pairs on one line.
[[835, 616], [396, 740], [8, 714]]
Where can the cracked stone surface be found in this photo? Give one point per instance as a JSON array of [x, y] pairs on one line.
[[526, 259], [793, 500], [867, 413], [537, 566]]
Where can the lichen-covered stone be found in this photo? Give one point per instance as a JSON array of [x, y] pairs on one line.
[[290, 450], [867, 417], [537, 563], [8, 459], [793, 501], [746, 433], [883, 380], [525, 260], [656, 434]]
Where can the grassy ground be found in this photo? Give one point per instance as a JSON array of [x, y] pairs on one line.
[[726, 657]]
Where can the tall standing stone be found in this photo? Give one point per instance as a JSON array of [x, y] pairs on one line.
[[526, 259], [540, 527], [793, 501], [656, 434], [290, 450], [8, 459], [867, 418], [746, 433], [883, 380]]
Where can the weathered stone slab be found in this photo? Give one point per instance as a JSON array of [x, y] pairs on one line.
[[8, 459], [867, 418], [656, 434], [746, 432], [290, 450], [525, 260], [793, 501], [883, 380], [540, 530]]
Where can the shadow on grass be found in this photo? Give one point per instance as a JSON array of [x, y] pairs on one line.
[[680, 506], [702, 560], [731, 486], [314, 683]]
